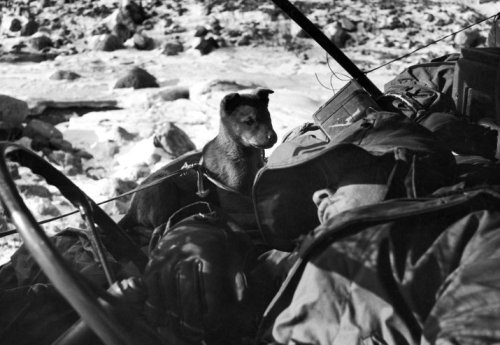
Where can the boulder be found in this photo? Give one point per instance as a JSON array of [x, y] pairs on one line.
[[122, 135], [244, 40], [12, 111], [40, 42], [172, 48], [72, 164], [47, 208], [173, 93], [60, 144], [429, 17], [173, 140], [215, 25], [121, 31], [29, 28], [136, 78], [15, 25], [106, 43], [206, 45], [105, 150], [348, 24], [143, 42], [340, 37], [469, 38], [35, 190], [36, 128], [64, 75], [200, 31]]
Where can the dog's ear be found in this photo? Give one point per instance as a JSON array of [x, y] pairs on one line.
[[263, 95], [229, 103]]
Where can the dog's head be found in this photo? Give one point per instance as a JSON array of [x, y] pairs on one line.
[[246, 119]]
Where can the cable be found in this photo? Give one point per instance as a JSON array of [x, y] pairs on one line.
[[431, 43]]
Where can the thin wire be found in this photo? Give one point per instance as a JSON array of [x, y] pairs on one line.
[[135, 190], [336, 74], [320, 83], [431, 43]]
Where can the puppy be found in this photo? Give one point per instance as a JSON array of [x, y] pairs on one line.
[[236, 154], [233, 157]]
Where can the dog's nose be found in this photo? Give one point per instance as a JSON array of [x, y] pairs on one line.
[[272, 136]]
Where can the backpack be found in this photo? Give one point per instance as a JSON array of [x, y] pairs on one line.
[[196, 277]]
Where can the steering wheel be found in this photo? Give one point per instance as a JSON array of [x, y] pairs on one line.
[[70, 284]]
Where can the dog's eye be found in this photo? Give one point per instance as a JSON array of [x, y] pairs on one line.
[[249, 122]]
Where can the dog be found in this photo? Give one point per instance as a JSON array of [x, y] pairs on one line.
[[233, 158]]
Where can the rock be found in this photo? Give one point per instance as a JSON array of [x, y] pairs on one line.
[[206, 46], [96, 173], [119, 187], [121, 31], [16, 48], [469, 38], [348, 25], [72, 164], [394, 22], [40, 42], [136, 78], [244, 40], [64, 75], [39, 143], [35, 190], [46, 208], [172, 48], [215, 25], [143, 42], [12, 111], [301, 33], [200, 31], [105, 150], [29, 28], [173, 94], [37, 128], [56, 24], [173, 140], [429, 17], [340, 36], [116, 187], [60, 144], [15, 25], [122, 135], [106, 43], [38, 106]]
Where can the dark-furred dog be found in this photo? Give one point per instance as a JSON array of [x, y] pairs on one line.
[[233, 157]]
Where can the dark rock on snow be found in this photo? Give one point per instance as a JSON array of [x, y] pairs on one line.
[[64, 75], [136, 78], [107, 43]]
